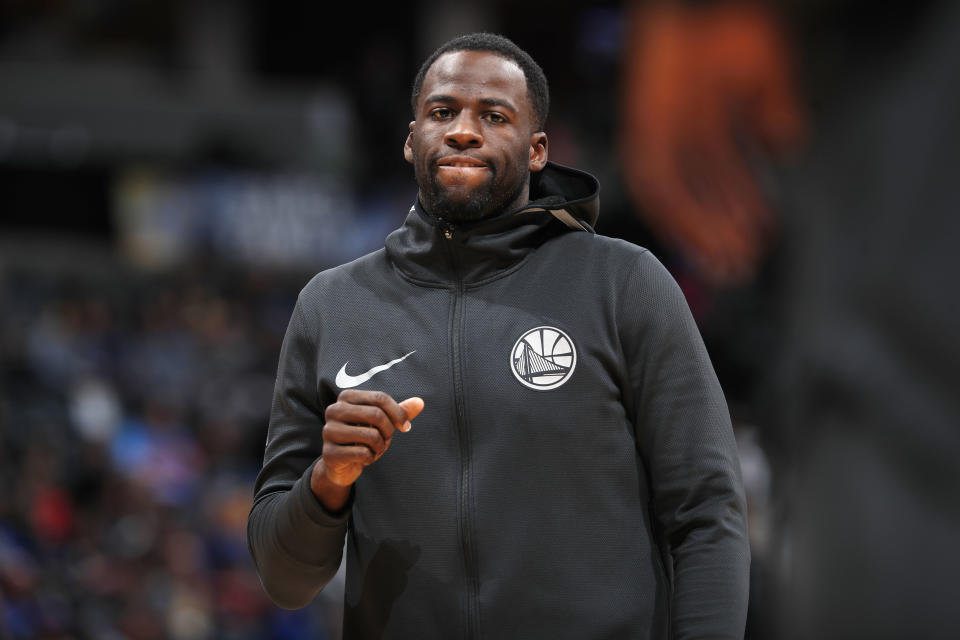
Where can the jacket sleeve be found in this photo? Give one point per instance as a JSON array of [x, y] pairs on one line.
[[686, 441], [295, 543]]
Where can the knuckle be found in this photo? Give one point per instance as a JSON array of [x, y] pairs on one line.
[[333, 411], [335, 437]]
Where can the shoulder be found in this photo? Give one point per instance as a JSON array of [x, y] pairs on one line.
[[621, 259], [642, 288], [595, 244], [338, 281]]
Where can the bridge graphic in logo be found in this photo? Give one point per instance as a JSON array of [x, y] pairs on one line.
[[543, 358]]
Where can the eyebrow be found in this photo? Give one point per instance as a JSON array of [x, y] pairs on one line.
[[490, 102]]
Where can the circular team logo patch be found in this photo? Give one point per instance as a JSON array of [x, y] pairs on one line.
[[543, 358]]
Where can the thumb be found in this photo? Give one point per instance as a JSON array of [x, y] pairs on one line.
[[413, 407]]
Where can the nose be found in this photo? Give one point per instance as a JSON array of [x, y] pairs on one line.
[[464, 133]]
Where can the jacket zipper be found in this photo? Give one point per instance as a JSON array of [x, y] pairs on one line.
[[447, 229], [463, 505]]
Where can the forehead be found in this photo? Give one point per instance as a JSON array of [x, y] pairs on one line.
[[476, 74]]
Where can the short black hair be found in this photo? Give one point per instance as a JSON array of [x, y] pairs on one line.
[[537, 89]]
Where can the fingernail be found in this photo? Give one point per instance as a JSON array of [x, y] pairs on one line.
[[406, 426]]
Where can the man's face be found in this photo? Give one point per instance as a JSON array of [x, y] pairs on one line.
[[473, 143]]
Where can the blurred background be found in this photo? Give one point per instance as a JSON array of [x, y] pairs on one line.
[[172, 173]]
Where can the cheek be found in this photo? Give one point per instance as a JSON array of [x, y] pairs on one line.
[[520, 159]]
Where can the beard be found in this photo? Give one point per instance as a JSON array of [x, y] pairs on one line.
[[486, 200]]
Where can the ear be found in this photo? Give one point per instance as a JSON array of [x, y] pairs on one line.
[[408, 144], [538, 151]]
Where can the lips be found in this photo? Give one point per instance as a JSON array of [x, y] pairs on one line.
[[461, 175], [461, 162]]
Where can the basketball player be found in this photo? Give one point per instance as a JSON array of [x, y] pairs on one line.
[[573, 473]]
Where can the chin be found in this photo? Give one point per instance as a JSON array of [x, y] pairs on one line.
[[461, 210], [467, 205], [459, 206]]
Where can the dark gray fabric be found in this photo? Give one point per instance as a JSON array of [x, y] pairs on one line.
[[608, 507]]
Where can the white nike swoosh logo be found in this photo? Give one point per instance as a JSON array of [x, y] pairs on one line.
[[345, 381]]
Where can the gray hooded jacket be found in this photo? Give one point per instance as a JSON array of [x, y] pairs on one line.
[[574, 472]]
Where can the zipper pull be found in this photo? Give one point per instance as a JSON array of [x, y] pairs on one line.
[[446, 227]]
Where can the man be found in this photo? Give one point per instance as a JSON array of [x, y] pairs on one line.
[[573, 473]]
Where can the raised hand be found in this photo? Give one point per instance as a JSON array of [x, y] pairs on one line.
[[359, 428]]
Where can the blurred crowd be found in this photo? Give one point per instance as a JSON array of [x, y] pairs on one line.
[[132, 413]]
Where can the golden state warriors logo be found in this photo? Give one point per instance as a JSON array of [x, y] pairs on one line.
[[543, 358]]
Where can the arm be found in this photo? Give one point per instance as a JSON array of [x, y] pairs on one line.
[[685, 438], [295, 543], [299, 517]]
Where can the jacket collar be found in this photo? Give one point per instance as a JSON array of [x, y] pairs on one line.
[[434, 252]]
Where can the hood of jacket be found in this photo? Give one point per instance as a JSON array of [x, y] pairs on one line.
[[434, 252]]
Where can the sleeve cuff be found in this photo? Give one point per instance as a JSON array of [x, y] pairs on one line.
[[314, 509]]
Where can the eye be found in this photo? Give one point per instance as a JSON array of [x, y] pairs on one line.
[[496, 118], [441, 113]]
